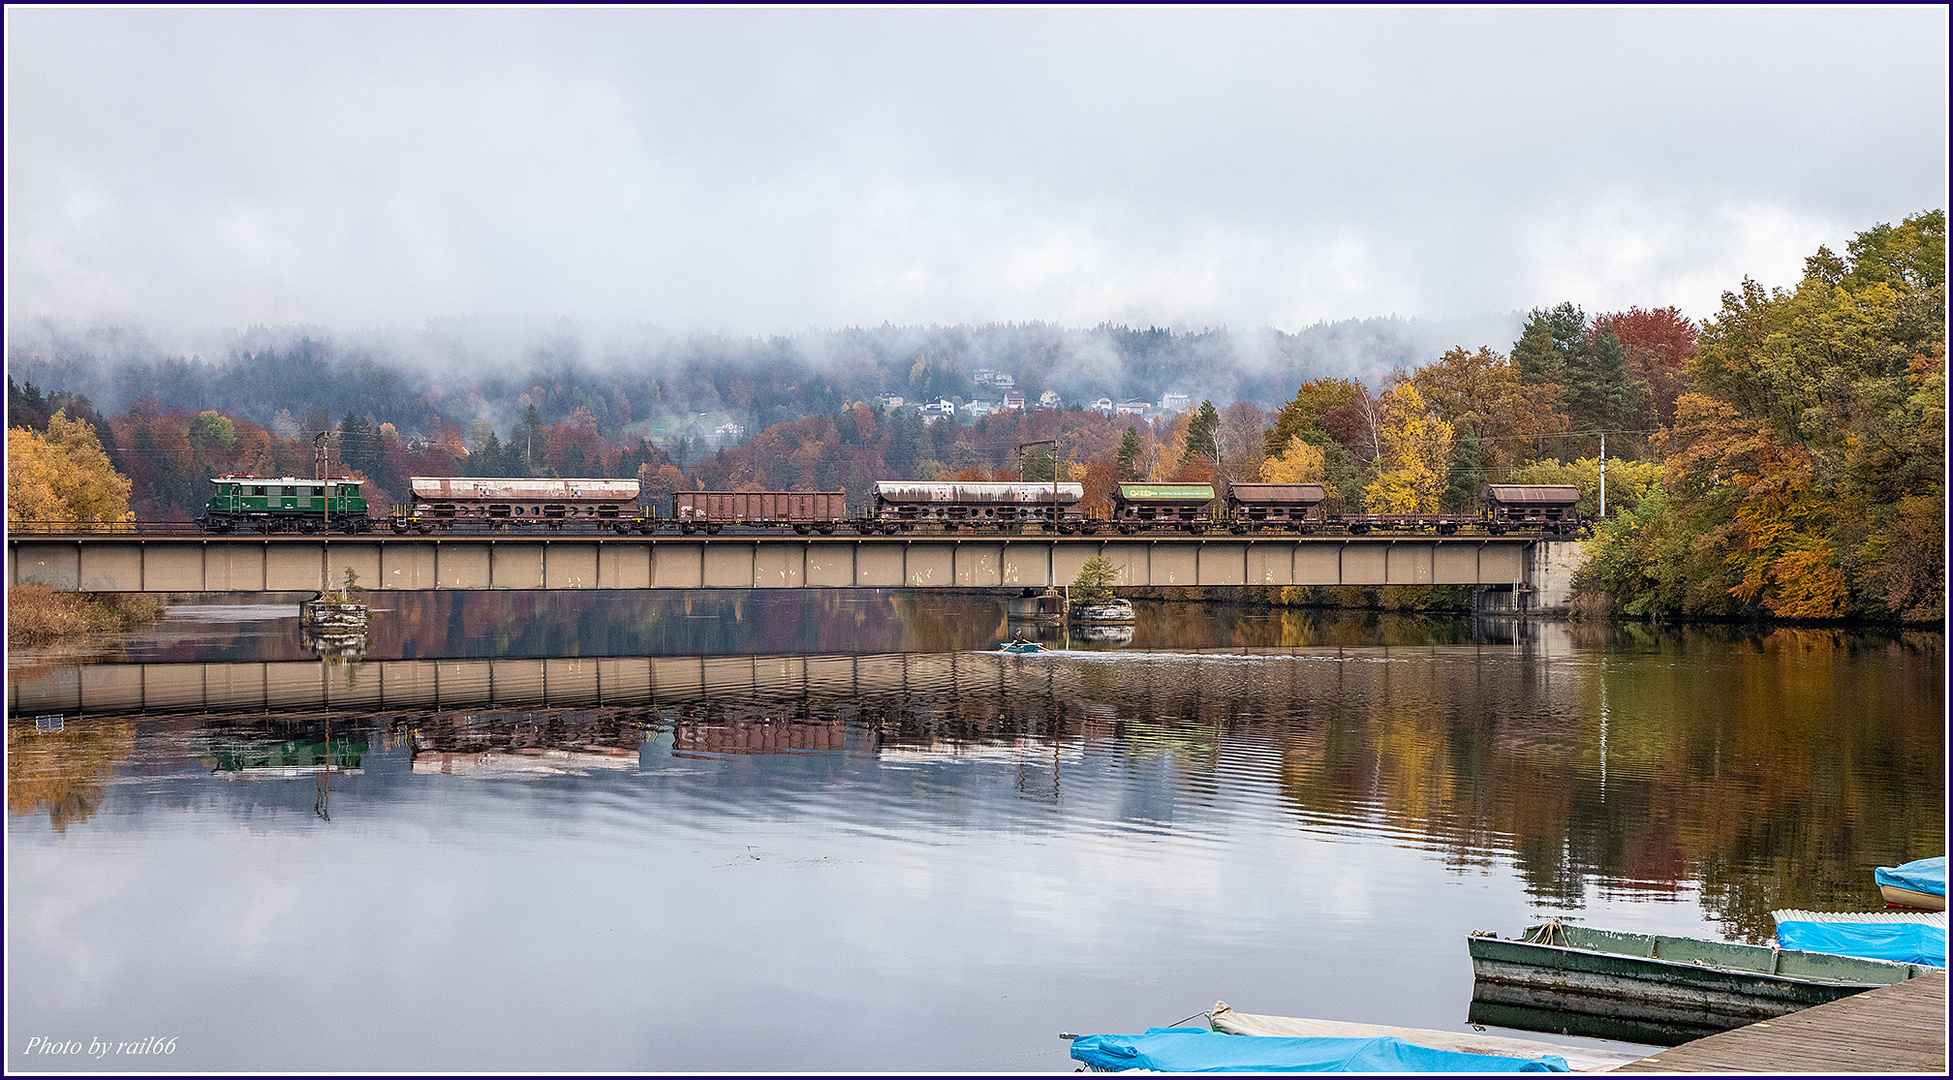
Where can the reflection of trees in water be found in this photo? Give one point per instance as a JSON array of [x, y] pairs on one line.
[[65, 771], [1788, 751], [1764, 769]]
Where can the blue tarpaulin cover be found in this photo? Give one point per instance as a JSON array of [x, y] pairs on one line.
[[1919, 875], [1907, 943], [1201, 1050]]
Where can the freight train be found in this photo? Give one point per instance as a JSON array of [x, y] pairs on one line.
[[447, 504]]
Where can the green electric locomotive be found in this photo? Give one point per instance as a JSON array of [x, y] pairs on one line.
[[269, 504]]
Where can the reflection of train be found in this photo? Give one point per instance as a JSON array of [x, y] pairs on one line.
[[285, 758], [448, 503]]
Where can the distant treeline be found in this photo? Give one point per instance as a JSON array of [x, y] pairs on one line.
[[663, 388]]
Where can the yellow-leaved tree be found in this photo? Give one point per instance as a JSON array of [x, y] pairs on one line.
[[1299, 463], [1415, 464], [63, 476]]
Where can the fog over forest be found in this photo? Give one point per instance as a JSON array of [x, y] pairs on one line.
[[459, 371]]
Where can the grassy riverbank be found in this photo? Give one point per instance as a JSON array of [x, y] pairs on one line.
[[37, 615]]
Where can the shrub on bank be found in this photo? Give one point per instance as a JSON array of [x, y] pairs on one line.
[[37, 615]]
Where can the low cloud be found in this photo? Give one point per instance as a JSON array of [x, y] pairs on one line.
[[768, 171]]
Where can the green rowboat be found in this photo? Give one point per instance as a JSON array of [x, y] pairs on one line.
[[1685, 982]]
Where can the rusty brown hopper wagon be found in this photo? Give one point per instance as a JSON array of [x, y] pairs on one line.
[[1142, 505], [1546, 506], [1279, 505]]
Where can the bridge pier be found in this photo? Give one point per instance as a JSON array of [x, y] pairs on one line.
[[1547, 588]]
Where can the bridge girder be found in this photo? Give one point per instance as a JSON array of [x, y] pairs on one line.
[[296, 564]]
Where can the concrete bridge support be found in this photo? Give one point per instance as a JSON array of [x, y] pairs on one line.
[[1547, 587]]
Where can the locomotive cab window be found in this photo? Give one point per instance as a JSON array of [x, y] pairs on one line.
[[257, 489], [290, 492]]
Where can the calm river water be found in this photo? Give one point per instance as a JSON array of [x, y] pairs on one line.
[[837, 831]]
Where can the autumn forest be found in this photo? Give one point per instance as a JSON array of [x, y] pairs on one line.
[[1783, 458]]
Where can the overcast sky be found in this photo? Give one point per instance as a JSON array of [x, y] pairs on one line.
[[770, 170]]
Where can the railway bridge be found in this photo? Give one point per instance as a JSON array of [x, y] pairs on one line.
[[218, 564]]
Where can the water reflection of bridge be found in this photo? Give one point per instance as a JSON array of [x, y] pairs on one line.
[[390, 685], [721, 682]]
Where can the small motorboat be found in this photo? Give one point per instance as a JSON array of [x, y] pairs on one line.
[[1918, 884]]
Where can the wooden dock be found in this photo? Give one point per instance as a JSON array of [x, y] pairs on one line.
[[1895, 1029]]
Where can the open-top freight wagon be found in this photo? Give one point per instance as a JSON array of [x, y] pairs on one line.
[[803, 511]]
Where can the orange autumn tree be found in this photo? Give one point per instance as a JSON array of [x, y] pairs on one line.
[[63, 477], [1806, 463]]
